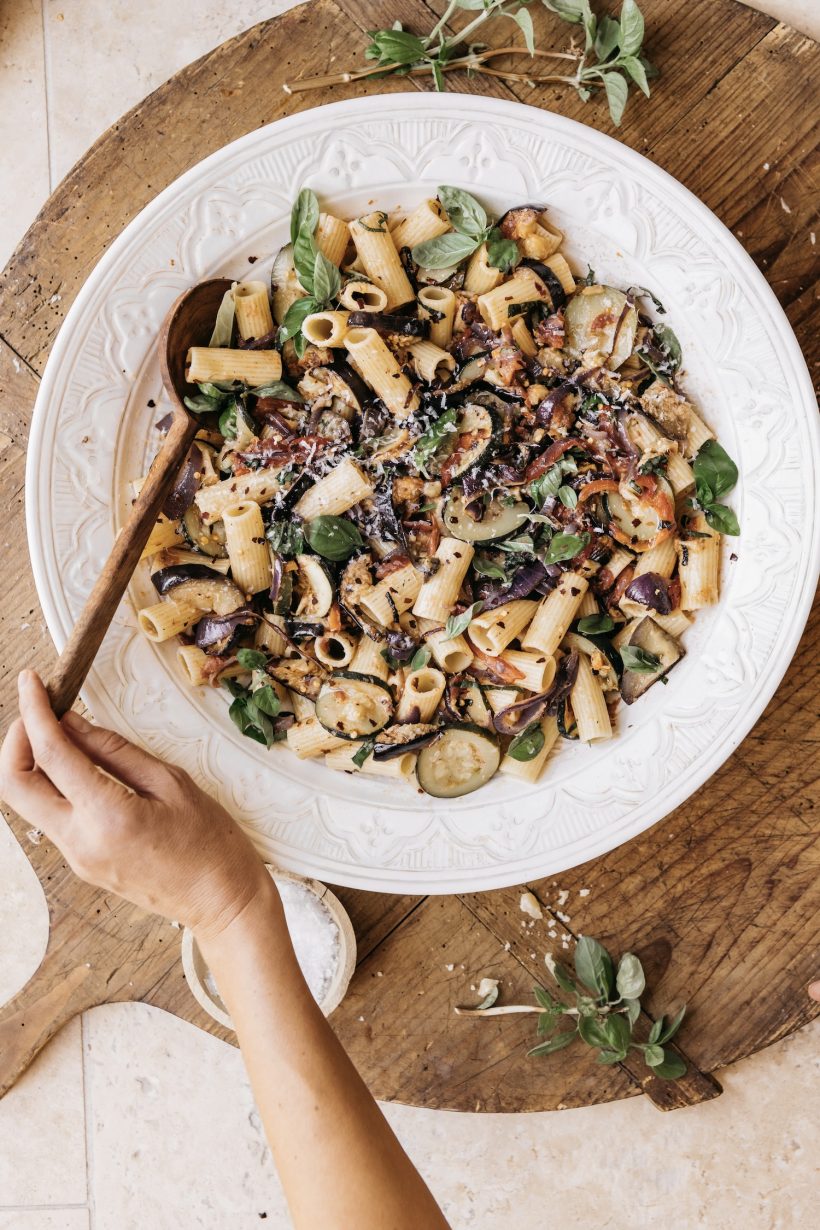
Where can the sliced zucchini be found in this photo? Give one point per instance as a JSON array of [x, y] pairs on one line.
[[303, 677], [654, 640], [459, 762], [354, 706], [479, 423], [315, 588], [637, 520], [497, 521], [218, 595], [207, 538], [599, 318]]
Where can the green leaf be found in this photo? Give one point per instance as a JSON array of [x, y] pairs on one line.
[[333, 538], [227, 422], [655, 465], [266, 700], [223, 326], [444, 250], [286, 538], [722, 519], [326, 279], [655, 1031], [618, 1032], [252, 659], [395, 47], [594, 967], [569, 10], [606, 39], [715, 472], [295, 317], [639, 660], [438, 76], [548, 1002], [672, 1028], [304, 217], [673, 1066], [593, 1032], [420, 658], [667, 340], [279, 389], [300, 344], [653, 1055], [565, 546], [528, 744], [213, 392], [610, 1057], [593, 625], [464, 211], [547, 1021], [633, 1010], [238, 713], [200, 404], [632, 28], [502, 253], [364, 751], [523, 20], [544, 488], [616, 95], [484, 567], [630, 981], [637, 72], [433, 438], [556, 1043], [568, 496], [563, 977], [456, 624]]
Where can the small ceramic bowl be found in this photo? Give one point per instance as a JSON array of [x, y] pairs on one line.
[[202, 984]]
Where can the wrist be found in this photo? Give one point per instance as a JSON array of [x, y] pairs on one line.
[[256, 910]]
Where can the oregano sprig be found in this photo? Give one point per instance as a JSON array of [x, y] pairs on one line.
[[611, 58]]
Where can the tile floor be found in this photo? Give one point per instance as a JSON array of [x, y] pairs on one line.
[[132, 1120]]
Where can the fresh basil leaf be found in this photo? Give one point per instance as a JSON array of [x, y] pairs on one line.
[[569, 10], [610, 1057], [568, 496], [655, 465], [444, 250], [637, 72], [502, 253], [295, 317], [333, 538], [632, 28], [286, 538], [364, 751], [266, 700], [634, 292], [200, 404], [556, 1043], [395, 47], [304, 217], [523, 20], [456, 624], [653, 1055], [594, 967], [223, 326], [715, 472], [616, 95], [618, 1032], [722, 519], [672, 1068], [606, 38], [300, 344], [592, 1032], [464, 211], [252, 660], [528, 744], [326, 279], [565, 546], [213, 392], [420, 658], [431, 441], [639, 660], [522, 545], [486, 568], [630, 980], [227, 422], [593, 625], [250, 723], [672, 1028], [667, 341], [547, 1021], [278, 389], [438, 75], [544, 488]]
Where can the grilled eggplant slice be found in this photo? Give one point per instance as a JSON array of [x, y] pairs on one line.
[[655, 640], [303, 677]]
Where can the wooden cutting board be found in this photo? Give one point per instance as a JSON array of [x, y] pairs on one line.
[[721, 900]]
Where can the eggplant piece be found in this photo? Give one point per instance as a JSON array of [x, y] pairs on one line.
[[187, 483], [166, 579], [654, 640], [522, 583], [203, 537], [211, 593], [315, 588], [550, 279], [401, 645], [301, 630], [389, 324], [520, 221], [601, 319], [462, 759], [406, 737], [651, 591], [300, 675], [354, 706], [498, 519], [215, 634], [358, 394]]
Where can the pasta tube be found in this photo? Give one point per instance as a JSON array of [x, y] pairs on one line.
[[699, 566], [397, 766], [379, 367], [423, 689], [247, 547], [481, 276], [325, 328], [332, 237], [425, 222], [253, 314], [537, 669], [308, 737], [394, 594], [530, 770], [431, 362], [588, 704], [213, 363], [438, 305], [369, 658], [339, 490], [555, 613], [363, 297], [452, 654], [334, 649], [380, 258], [165, 619], [438, 594], [492, 631], [259, 486]]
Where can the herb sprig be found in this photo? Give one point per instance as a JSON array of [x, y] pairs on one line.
[[715, 476], [611, 58], [471, 229], [317, 275]]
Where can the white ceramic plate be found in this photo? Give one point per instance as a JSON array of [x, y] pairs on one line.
[[93, 432]]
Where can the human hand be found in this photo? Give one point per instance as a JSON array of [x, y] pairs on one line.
[[814, 991], [146, 831]]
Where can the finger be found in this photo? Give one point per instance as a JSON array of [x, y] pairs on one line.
[[65, 765], [25, 788], [137, 768], [814, 990]]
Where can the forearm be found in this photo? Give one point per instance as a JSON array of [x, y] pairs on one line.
[[339, 1162]]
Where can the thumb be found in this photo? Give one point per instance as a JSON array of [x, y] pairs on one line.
[[113, 753], [814, 990]]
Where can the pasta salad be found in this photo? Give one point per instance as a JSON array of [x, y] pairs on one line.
[[448, 503]]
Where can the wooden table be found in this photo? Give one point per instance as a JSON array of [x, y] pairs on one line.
[[721, 900]]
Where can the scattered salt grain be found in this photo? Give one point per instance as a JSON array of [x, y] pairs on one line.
[[765, 166], [507, 946], [812, 238], [564, 917], [563, 896], [314, 935], [379, 974], [450, 968], [583, 892], [786, 209]]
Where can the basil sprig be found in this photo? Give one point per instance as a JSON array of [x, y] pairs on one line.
[[251, 712], [715, 476], [334, 538], [317, 275], [550, 484], [251, 659], [565, 546], [594, 625], [471, 229]]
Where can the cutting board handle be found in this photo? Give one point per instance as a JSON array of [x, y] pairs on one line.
[[52, 997]]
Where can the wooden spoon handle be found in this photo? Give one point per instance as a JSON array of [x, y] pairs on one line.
[[87, 634]]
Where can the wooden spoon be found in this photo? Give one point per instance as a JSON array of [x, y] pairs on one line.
[[189, 323]]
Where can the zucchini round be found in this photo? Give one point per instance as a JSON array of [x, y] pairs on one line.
[[315, 588], [202, 537], [479, 423], [601, 319], [354, 706], [637, 520], [499, 519], [461, 760]]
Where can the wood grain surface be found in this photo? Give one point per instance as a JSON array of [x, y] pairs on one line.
[[721, 900]]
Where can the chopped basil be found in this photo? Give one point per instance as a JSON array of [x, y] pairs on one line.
[[420, 658], [594, 625], [286, 538], [364, 751], [639, 660], [568, 496], [433, 438], [565, 546], [251, 659], [333, 538], [528, 744], [456, 624]]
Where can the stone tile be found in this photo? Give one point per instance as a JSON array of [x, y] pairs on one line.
[[44, 1219], [23, 131], [104, 60], [23, 917], [42, 1129]]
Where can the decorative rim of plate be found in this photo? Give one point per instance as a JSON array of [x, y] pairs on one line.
[[498, 841]]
